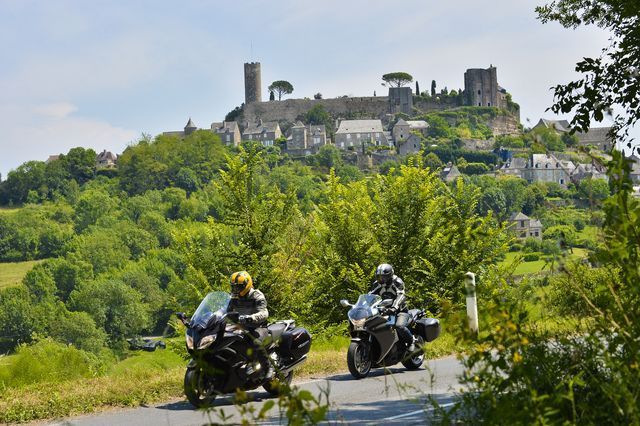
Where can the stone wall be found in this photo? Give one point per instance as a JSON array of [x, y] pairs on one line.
[[505, 125], [290, 109]]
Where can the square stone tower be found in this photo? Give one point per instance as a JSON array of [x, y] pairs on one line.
[[252, 83], [481, 87]]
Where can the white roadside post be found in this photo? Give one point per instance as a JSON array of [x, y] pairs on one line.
[[472, 303]]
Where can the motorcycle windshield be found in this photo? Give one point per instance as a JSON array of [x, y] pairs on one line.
[[364, 307], [213, 305]]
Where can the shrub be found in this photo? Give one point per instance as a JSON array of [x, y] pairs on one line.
[[531, 257], [49, 362]]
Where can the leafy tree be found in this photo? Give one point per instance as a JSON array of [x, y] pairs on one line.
[[432, 161], [329, 156], [272, 96], [27, 177], [594, 190], [397, 79], [114, 306], [317, 96], [235, 113], [611, 80], [91, 206], [281, 87], [317, 115], [80, 164]]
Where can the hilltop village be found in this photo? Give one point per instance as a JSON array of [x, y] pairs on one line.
[[481, 120]]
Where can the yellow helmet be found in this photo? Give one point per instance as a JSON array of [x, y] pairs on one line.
[[241, 283]]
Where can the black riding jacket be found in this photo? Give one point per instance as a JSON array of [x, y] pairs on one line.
[[253, 305], [393, 290]]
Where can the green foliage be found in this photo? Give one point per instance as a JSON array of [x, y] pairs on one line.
[[169, 160], [397, 79], [281, 87], [49, 362]]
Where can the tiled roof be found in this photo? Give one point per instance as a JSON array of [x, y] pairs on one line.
[[269, 126], [519, 216], [360, 126], [595, 134]]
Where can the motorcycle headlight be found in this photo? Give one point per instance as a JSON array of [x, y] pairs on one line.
[[189, 341], [358, 323], [206, 341]]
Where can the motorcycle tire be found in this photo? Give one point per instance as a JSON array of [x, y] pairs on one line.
[[359, 359], [193, 389], [275, 385], [415, 360]]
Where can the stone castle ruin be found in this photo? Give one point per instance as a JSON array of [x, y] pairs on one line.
[[481, 89]]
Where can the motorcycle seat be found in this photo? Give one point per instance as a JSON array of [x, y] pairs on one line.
[[276, 330], [414, 313]]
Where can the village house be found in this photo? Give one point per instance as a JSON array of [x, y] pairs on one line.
[[597, 137], [524, 226], [540, 168], [410, 145], [450, 172], [404, 129], [306, 140], [106, 160], [358, 133], [229, 132], [266, 133]]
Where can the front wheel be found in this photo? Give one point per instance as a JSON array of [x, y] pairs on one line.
[[415, 359], [195, 390], [359, 359]]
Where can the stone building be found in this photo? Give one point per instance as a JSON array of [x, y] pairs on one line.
[[450, 172], [188, 129], [359, 133], [106, 160], [306, 140], [541, 168], [400, 100], [252, 83], [481, 88], [403, 129], [229, 132], [266, 133], [410, 145], [524, 226], [597, 137]]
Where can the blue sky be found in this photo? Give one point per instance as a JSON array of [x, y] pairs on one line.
[[99, 73]]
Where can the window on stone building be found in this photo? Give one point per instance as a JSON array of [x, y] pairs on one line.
[[561, 181], [348, 135], [479, 92], [228, 138], [522, 224], [537, 234], [488, 103], [479, 104]]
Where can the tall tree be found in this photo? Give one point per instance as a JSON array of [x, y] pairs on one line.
[[433, 88], [397, 79], [281, 87], [417, 88]]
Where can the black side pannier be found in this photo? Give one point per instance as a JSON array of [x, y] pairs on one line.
[[295, 343], [428, 328]]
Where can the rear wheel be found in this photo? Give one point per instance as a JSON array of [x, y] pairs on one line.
[[195, 390], [415, 359], [275, 385], [359, 359]]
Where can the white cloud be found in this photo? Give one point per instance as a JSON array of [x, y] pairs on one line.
[[56, 110]]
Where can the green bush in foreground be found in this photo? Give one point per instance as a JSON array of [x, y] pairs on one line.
[[50, 362]]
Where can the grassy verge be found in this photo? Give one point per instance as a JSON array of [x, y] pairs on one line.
[[536, 266], [12, 273], [147, 378]]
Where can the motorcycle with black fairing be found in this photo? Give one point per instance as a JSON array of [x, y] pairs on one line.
[[374, 339], [226, 356]]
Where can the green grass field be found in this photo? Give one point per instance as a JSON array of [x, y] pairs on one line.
[[12, 273], [5, 210], [527, 268]]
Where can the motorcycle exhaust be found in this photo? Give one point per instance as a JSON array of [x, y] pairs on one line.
[[285, 370]]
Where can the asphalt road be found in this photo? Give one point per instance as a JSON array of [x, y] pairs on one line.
[[380, 398]]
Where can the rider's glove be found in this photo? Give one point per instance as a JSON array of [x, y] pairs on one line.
[[244, 319]]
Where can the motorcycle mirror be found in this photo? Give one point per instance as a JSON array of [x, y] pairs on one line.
[[344, 303]]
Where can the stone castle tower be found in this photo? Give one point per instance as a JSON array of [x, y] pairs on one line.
[[481, 88], [252, 83]]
